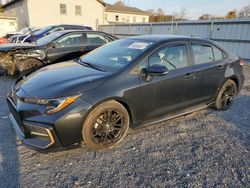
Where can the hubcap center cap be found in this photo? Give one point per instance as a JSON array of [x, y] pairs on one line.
[[108, 127]]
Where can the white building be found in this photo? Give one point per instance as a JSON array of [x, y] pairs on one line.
[[7, 24], [124, 14], [41, 13]]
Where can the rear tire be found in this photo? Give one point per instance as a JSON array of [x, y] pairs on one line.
[[29, 65], [226, 95], [106, 126]]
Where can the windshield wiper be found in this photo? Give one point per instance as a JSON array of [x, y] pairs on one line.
[[93, 66]]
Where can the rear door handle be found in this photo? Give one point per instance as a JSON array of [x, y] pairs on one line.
[[189, 75], [219, 67]]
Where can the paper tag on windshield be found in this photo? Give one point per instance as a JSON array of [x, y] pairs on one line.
[[138, 45]]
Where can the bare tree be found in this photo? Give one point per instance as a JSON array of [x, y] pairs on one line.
[[205, 17], [183, 13], [160, 12], [210, 17], [151, 12], [245, 12], [119, 3]]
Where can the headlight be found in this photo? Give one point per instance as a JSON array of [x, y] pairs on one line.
[[53, 105]]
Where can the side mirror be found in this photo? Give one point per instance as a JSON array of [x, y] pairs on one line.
[[157, 70]]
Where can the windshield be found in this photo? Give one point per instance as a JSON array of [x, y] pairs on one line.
[[48, 39], [42, 31], [117, 54]]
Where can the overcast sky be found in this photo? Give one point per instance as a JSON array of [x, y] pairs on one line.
[[194, 8]]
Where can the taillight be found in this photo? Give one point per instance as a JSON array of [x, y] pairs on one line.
[[242, 63]]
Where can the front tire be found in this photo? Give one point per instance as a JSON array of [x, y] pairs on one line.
[[226, 95], [106, 126]]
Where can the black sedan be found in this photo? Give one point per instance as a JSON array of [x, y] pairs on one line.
[[126, 83], [56, 47], [32, 35]]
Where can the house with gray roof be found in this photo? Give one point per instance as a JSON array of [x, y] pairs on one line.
[[124, 14]]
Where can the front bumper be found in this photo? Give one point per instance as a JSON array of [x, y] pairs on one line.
[[39, 131], [39, 136]]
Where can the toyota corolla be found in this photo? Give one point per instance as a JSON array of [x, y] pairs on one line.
[[124, 84]]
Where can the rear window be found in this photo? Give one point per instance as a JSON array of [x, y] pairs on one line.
[[202, 53], [219, 54]]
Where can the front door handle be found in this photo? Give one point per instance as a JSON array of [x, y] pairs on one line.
[[189, 75]]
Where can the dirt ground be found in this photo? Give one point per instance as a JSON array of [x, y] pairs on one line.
[[204, 149]]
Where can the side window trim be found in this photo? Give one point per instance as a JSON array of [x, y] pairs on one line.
[[201, 44], [108, 38], [94, 33], [145, 60], [224, 54], [75, 33]]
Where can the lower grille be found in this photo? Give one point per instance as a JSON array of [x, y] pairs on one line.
[[16, 116]]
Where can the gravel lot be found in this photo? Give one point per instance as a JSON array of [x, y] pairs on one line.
[[204, 149]]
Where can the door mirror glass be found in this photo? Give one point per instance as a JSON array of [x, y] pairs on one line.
[[157, 70]]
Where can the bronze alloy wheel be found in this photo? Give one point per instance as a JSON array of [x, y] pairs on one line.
[[106, 126], [226, 95]]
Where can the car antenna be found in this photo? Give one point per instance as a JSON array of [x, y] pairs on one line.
[[31, 33]]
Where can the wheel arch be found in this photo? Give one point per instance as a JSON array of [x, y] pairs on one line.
[[235, 79], [123, 103], [120, 100], [20, 64]]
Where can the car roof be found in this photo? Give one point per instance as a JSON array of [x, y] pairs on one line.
[[61, 25], [163, 38], [79, 30]]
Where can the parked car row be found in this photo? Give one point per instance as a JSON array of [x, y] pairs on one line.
[[3, 40], [51, 45], [8, 38], [33, 35], [124, 84]]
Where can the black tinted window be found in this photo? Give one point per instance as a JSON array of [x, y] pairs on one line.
[[172, 57], [95, 39], [202, 53], [71, 40]]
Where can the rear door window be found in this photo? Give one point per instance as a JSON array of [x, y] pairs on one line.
[[71, 40], [96, 39], [219, 54], [202, 53]]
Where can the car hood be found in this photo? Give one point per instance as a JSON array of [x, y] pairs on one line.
[[15, 46], [61, 80]]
